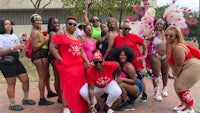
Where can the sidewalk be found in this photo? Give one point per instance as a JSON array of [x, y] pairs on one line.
[[151, 106]]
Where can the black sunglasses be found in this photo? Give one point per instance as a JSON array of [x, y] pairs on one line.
[[127, 29], [95, 20], [96, 62], [72, 24]]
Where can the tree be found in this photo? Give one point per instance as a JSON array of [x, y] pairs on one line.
[[115, 8], [37, 5]]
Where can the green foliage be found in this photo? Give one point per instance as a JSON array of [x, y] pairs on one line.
[[160, 11], [113, 8]]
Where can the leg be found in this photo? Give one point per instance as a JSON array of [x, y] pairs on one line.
[[11, 89], [25, 86], [42, 69], [165, 72], [156, 68], [56, 82], [113, 94]]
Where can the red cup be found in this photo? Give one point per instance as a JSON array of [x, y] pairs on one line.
[[45, 33]]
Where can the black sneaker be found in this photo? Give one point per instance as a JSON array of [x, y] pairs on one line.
[[28, 102], [43, 101], [123, 106], [16, 107], [144, 97], [51, 94]]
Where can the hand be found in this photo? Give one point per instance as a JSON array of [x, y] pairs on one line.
[[142, 58], [93, 109], [89, 1], [18, 47], [46, 38], [120, 80], [60, 60]]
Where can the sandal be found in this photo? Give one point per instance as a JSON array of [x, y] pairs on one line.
[[16, 107], [28, 102]]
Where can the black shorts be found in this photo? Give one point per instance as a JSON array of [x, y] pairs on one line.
[[140, 75], [12, 70], [42, 53]]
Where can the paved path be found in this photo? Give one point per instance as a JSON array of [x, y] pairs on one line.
[[151, 106]]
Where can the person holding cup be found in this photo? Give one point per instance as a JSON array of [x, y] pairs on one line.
[[39, 41]]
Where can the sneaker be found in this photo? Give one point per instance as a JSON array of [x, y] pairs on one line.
[[51, 94], [122, 106], [157, 96], [43, 101], [144, 97], [179, 108], [185, 110], [66, 110], [16, 107], [164, 92], [110, 111], [28, 102]]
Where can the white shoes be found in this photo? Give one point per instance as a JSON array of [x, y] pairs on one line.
[[164, 92], [157, 96], [110, 111], [185, 110], [179, 108], [66, 110]]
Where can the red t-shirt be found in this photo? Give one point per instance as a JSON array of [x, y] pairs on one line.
[[133, 41], [101, 79]]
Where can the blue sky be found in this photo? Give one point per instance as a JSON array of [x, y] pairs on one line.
[[192, 4]]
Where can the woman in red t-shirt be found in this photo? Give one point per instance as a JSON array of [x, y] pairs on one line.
[[99, 79]]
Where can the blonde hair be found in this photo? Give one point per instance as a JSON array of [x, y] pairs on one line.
[[111, 19], [179, 37]]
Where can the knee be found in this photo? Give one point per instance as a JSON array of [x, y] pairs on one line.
[[117, 91], [84, 91]]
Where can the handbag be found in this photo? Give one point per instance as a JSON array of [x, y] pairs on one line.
[[7, 60]]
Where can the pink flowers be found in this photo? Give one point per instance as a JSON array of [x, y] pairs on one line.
[[185, 31], [191, 21]]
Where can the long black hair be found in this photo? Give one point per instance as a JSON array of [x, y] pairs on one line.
[[115, 52]]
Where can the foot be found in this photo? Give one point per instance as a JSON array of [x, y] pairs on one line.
[[51, 94], [144, 97], [28, 102], [179, 107], [132, 99], [66, 110], [110, 111], [157, 96], [43, 101], [185, 110], [123, 106], [16, 107], [164, 92]]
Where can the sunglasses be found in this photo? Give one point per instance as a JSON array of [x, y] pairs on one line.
[[95, 20], [170, 36], [72, 24], [127, 29], [96, 62]]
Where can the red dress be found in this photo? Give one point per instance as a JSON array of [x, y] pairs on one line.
[[71, 71], [132, 41]]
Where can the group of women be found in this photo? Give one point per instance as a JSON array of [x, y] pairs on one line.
[[166, 48]]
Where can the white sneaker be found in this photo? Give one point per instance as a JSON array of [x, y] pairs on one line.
[[157, 96], [110, 111], [179, 108], [66, 110], [185, 110], [164, 92]]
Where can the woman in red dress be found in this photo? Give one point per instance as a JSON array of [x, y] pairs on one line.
[[68, 51]]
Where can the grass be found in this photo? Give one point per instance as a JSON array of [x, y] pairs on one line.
[[30, 68]]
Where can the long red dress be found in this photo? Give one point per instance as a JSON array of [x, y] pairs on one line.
[[71, 71]]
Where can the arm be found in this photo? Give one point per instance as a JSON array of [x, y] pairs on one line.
[[110, 46], [148, 34], [54, 50], [85, 59], [144, 46], [179, 54], [35, 38], [85, 12], [91, 97]]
